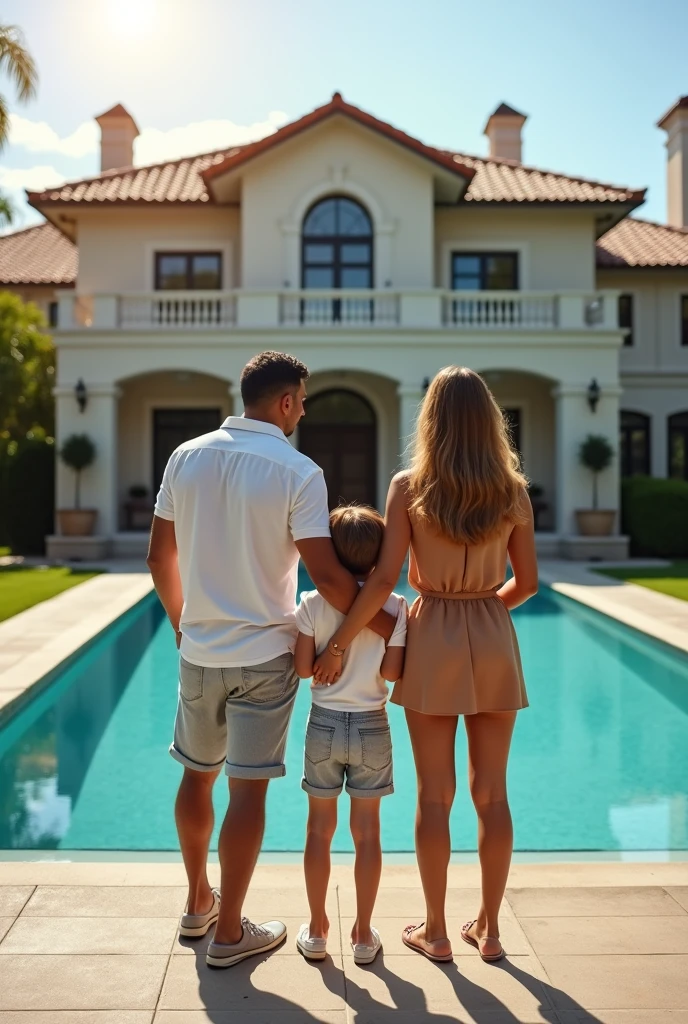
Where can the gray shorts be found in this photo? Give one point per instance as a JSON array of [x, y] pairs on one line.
[[236, 717], [352, 744]]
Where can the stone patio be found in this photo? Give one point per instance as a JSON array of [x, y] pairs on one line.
[[98, 944]]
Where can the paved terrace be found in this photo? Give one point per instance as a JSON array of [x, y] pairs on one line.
[[98, 944]]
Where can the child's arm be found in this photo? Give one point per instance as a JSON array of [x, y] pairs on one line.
[[392, 664], [304, 655]]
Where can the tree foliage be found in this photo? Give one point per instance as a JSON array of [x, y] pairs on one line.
[[27, 371]]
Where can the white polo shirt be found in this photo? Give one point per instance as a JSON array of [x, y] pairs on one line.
[[240, 497]]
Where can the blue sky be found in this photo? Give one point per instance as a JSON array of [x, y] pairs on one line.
[[593, 77]]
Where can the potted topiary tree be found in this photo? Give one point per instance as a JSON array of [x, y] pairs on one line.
[[139, 508], [77, 452], [596, 454]]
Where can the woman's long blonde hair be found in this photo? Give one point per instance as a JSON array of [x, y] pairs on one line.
[[465, 478]]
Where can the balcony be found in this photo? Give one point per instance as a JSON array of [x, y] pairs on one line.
[[350, 310]]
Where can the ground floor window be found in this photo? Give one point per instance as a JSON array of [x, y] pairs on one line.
[[678, 446], [340, 434], [634, 443]]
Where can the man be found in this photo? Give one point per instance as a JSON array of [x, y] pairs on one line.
[[235, 510]]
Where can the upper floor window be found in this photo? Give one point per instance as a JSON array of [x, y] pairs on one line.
[[188, 271], [484, 271], [678, 446], [684, 319], [634, 443], [53, 310], [337, 245], [626, 317]]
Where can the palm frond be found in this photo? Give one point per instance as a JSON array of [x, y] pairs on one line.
[[4, 121], [18, 62], [6, 211]]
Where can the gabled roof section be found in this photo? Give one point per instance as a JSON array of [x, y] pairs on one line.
[[680, 104], [641, 243], [38, 255], [504, 110], [337, 105]]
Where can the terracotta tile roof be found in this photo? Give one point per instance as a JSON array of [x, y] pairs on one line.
[[39, 255], [640, 243], [184, 181]]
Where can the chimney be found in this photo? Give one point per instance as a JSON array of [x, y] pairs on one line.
[[118, 129], [675, 124], [503, 129]]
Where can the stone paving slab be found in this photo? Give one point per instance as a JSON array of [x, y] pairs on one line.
[[54, 982], [612, 901], [76, 1017], [618, 982]]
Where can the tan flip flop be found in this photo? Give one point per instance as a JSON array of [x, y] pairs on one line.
[[489, 959], [406, 939]]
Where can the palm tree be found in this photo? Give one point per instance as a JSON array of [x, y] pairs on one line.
[[17, 62]]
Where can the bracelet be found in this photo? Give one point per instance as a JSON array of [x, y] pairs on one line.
[[335, 650]]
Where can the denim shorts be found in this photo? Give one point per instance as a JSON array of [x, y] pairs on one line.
[[236, 717], [355, 745]]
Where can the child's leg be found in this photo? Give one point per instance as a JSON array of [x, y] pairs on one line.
[[322, 821], [365, 829]]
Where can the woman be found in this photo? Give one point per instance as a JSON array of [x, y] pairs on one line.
[[460, 508]]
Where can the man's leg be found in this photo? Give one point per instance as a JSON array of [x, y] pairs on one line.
[[239, 846], [193, 812]]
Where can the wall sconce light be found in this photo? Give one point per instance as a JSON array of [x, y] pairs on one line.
[[593, 393], [80, 394], [426, 384]]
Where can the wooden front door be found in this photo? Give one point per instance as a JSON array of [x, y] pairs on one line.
[[172, 427], [339, 432]]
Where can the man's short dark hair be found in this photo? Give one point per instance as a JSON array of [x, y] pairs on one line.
[[267, 375], [357, 532]]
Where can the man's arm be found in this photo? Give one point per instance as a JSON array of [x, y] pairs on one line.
[[335, 584], [164, 568]]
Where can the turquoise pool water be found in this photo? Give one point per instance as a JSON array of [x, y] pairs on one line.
[[599, 763]]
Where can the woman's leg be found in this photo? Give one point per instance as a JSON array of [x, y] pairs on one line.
[[322, 822], [365, 830], [489, 739], [432, 739]]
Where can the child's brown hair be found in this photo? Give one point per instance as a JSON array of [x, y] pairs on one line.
[[357, 532]]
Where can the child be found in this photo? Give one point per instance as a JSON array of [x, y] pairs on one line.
[[348, 736]]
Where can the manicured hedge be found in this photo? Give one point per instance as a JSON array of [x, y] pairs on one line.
[[654, 513], [27, 494]]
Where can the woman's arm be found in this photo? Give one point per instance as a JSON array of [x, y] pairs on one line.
[[304, 655], [392, 664], [523, 558], [379, 584]]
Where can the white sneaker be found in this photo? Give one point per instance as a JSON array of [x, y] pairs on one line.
[[256, 938], [194, 925], [366, 954], [312, 949]]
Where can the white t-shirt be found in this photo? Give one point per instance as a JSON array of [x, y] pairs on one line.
[[360, 686], [240, 497]]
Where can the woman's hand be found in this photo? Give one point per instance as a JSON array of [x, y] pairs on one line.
[[327, 668]]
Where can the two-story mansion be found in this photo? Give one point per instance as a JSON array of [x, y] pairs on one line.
[[377, 259]]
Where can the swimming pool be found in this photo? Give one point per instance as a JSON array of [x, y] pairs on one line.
[[599, 763]]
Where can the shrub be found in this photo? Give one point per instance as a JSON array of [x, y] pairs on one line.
[[654, 513], [78, 452], [28, 475]]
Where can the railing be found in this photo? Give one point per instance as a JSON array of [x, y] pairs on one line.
[[343, 307], [499, 309], [178, 309], [346, 309]]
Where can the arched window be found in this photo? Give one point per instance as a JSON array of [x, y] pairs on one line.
[[634, 443], [678, 446], [337, 245]]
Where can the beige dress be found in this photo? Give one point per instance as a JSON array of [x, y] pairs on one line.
[[462, 654]]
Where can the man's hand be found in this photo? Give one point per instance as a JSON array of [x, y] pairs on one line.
[[327, 668]]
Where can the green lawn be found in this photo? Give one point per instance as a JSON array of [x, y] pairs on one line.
[[667, 579], [22, 588]]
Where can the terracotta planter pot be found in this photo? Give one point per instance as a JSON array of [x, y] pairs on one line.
[[77, 522], [595, 522]]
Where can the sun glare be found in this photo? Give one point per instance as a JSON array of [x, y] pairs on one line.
[[133, 17]]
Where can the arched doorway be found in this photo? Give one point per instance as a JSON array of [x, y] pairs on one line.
[[339, 432]]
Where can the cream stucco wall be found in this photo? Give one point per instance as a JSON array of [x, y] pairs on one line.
[[339, 158], [117, 246], [657, 318], [556, 248]]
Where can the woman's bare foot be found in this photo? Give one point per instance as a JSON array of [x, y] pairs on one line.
[[488, 946], [416, 936]]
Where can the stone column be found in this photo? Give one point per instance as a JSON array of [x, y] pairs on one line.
[[410, 398], [237, 403]]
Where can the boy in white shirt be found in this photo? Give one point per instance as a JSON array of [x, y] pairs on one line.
[[348, 736]]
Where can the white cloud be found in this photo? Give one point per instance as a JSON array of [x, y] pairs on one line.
[[39, 137], [13, 181], [154, 146]]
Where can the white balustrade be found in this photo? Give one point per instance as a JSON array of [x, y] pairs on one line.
[[343, 308], [170, 310], [507, 310]]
